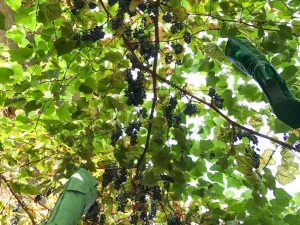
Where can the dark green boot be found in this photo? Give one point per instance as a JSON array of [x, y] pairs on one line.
[[78, 196], [250, 60]]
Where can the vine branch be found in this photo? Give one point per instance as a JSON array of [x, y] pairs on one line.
[[19, 200], [233, 123], [142, 157]]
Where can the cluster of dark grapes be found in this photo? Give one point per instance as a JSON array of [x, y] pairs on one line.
[[110, 172], [144, 216], [91, 35], [153, 209], [116, 135], [176, 27], [187, 37], [49, 192], [255, 159], [93, 5], [93, 213], [156, 193], [174, 221], [134, 219], [38, 198], [77, 6], [167, 17], [297, 144], [123, 8], [102, 219], [240, 134], [122, 201], [152, 9], [121, 178], [190, 109], [16, 207], [169, 111], [217, 100], [148, 49], [285, 136], [178, 48], [132, 131], [143, 113], [14, 220], [167, 180], [135, 92], [168, 58]]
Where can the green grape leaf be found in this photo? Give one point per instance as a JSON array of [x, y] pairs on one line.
[[64, 46], [5, 73]]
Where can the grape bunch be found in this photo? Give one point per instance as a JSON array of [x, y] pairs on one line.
[[168, 58], [92, 5], [121, 178], [124, 7], [128, 32], [297, 144], [135, 63], [142, 7], [167, 180], [177, 120], [102, 219], [217, 100], [14, 220], [116, 135], [153, 209], [174, 221], [176, 27], [110, 172], [16, 207], [135, 92], [143, 113], [169, 110], [122, 199], [38, 198], [139, 34], [93, 213], [285, 136], [112, 2], [152, 9], [148, 49], [255, 159], [240, 134], [144, 216], [178, 48], [187, 37], [134, 219], [49, 191], [190, 109], [77, 5], [156, 193], [167, 17], [91, 35], [132, 131]]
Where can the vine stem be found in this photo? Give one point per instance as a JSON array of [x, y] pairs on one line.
[[154, 82], [19, 200], [233, 123]]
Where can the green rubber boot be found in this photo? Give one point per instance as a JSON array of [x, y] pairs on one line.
[[251, 61], [79, 194]]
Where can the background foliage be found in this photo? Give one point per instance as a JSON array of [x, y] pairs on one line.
[[93, 84]]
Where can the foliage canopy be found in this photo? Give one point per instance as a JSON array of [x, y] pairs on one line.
[[111, 86]]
